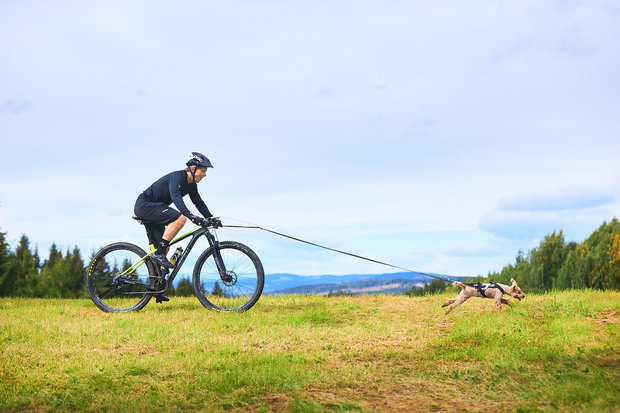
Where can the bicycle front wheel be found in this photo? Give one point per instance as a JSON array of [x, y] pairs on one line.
[[119, 279], [239, 287]]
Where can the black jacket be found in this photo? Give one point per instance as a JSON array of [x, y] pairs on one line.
[[172, 188]]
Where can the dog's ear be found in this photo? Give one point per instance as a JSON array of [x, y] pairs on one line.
[[512, 280]]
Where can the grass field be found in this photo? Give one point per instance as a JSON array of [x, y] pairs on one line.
[[553, 352]]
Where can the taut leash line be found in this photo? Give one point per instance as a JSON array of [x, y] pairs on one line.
[[439, 277]]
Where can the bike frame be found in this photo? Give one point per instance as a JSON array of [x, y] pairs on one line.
[[196, 233]]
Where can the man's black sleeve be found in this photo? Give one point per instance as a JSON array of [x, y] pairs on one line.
[[200, 204], [177, 197]]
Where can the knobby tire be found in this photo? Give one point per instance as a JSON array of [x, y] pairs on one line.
[[114, 297]]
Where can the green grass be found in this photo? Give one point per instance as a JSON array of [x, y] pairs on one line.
[[553, 352]]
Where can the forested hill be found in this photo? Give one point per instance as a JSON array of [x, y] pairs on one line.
[[555, 264]]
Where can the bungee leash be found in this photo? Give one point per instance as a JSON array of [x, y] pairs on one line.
[[255, 226]]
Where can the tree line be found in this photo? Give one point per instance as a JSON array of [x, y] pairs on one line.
[[553, 264], [433, 287], [557, 265]]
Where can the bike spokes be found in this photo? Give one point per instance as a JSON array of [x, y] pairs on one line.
[[235, 285], [119, 279]]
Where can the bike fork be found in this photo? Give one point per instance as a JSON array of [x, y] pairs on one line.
[[219, 263], [217, 256]]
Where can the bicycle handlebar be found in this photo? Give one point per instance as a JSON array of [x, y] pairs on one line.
[[212, 222]]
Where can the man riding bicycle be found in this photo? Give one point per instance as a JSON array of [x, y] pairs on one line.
[[227, 276], [164, 223]]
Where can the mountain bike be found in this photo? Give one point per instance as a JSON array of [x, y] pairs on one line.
[[228, 276]]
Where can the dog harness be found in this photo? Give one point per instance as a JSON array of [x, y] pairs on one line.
[[483, 287]]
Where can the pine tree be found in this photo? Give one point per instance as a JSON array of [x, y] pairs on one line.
[[26, 267], [75, 286], [184, 288], [5, 270], [217, 290], [604, 250], [566, 275], [49, 283], [54, 257]]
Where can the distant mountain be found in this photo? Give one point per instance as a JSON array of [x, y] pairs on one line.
[[355, 283], [368, 286]]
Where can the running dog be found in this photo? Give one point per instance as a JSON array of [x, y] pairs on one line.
[[488, 290]]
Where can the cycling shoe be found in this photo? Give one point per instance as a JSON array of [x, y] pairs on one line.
[[162, 260]]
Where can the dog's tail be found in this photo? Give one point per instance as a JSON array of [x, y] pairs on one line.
[[460, 284]]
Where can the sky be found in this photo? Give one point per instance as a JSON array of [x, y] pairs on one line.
[[438, 136]]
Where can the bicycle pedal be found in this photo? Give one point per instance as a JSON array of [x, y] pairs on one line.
[[160, 298]]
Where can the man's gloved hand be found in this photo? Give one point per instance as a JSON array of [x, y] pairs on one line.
[[214, 222], [197, 220]]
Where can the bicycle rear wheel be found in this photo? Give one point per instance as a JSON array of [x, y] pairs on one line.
[[119, 279], [242, 285]]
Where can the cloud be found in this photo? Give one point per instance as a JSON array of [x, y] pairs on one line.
[[558, 200], [14, 108], [519, 225], [323, 92], [577, 211], [141, 93], [475, 249], [360, 126]]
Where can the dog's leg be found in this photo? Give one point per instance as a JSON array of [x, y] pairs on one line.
[[450, 301], [458, 301], [506, 301]]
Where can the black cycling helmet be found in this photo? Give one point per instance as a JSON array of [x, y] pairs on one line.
[[198, 159]]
